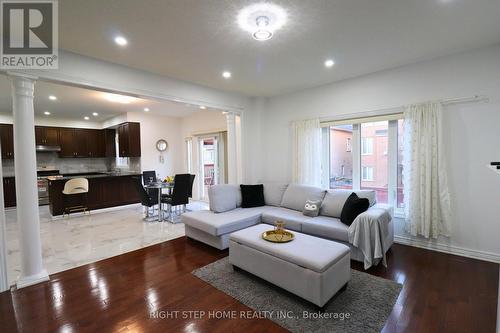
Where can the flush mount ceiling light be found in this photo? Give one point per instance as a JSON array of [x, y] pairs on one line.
[[95, 114], [146, 109], [115, 98], [52, 97], [262, 20], [203, 107], [86, 118], [47, 113], [226, 74]]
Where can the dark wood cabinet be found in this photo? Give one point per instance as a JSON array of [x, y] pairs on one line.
[[7, 140], [96, 145], [47, 136], [67, 142], [104, 192], [110, 142], [79, 142], [129, 140], [9, 191]]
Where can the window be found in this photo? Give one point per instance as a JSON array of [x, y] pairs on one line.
[[348, 147], [367, 173], [366, 146], [366, 154], [340, 157]]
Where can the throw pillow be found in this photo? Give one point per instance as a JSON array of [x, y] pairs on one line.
[[252, 196], [353, 206], [311, 208]]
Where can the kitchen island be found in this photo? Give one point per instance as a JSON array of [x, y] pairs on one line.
[[105, 190]]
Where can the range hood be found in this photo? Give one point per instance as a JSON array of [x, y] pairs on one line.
[[44, 148]]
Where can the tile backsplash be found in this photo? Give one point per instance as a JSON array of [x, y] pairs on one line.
[[76, 165]]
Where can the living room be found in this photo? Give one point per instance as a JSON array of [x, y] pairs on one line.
[[362, 190]]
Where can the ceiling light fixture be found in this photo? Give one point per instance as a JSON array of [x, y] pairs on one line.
[[203, 107], [119, 98], [47, 113], [95, 114], [226, 74], [262, 20], [86, 118], [52, 97], [329, 63], [146, 109], [120, 40]]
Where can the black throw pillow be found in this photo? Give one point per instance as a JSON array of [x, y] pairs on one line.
[[353, 206], [252, 196]]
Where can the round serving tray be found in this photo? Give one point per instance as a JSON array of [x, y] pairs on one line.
[[278, 236]]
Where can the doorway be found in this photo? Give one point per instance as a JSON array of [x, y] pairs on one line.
[[208, 163]]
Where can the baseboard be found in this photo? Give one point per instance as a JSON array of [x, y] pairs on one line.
[[450, 249]]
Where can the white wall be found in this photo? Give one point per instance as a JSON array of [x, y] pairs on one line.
[[154, 128], [472, 134]]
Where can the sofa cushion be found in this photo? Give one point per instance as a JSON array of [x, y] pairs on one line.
[[223, 223], [326, 227], [335, 199], [292, 218], [295, 196], [252, 196], [224, 197], [273, 193]]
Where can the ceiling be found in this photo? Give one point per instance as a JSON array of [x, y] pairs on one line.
[[75, 103], [196, 40]]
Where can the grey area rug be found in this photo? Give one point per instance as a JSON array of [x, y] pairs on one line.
[[363, 307]]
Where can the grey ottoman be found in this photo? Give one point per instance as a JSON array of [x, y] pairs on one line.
[[310, 267]]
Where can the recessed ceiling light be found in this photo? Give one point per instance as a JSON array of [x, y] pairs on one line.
[[146, 109], [52, 97], [86, 118], [47, 113], [262, 20], [226, 74], [120, 40], [95, 114], [203, 107], [329, 63], [119, 98]]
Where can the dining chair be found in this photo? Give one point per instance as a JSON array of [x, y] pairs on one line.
[[150, 177], [180, 193], [147, 200]]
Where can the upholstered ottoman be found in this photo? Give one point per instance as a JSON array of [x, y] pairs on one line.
[[310, 267]]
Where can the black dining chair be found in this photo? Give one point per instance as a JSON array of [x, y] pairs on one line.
[[191, 180], [150, 177], [147, 200], [180, 193]]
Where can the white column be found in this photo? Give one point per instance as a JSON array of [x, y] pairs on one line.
[[4, 282], [32, 270], [232, 160]]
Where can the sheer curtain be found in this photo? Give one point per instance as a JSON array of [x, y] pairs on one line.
[[426, 195], [306, 152]]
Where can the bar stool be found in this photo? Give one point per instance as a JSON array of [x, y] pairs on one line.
[[76, 187]]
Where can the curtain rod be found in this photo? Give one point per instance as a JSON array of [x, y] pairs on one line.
[[398, 109]]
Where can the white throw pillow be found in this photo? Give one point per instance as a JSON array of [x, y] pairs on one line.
[[335, 199]]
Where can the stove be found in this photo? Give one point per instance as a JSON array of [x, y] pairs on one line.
[[43, 184]]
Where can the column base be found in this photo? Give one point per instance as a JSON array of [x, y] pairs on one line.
[[32, 279]]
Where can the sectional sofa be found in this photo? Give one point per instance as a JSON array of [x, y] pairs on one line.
[[285, 202]]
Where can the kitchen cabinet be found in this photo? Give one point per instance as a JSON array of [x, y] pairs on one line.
[[9, 191], [129, 139], [80, 142], [110, 142], [46, 136], [7, 140], [96, 146], [67, 142]]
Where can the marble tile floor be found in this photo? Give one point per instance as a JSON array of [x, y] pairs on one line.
[[79, 240]]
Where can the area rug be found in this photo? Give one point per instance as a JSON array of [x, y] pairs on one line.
[[363, 307]]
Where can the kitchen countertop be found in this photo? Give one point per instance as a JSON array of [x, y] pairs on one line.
[[94, 175]]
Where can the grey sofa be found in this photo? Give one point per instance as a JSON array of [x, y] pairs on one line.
[[285, 202]]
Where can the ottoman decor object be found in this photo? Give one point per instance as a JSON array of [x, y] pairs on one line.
[[312, 268], [279, 234]]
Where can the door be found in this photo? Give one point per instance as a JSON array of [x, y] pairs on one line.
[[51, 136], [208, 164], [9, 191]]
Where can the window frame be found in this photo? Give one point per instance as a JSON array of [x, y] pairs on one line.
[[356, 151], [366, 140], [370, 168]]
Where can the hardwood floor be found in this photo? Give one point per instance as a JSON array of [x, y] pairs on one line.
[[441, 293]]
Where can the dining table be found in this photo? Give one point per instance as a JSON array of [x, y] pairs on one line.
[[160, 186]]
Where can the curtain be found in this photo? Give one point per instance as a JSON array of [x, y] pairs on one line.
[[306, 152], [426, 195]]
